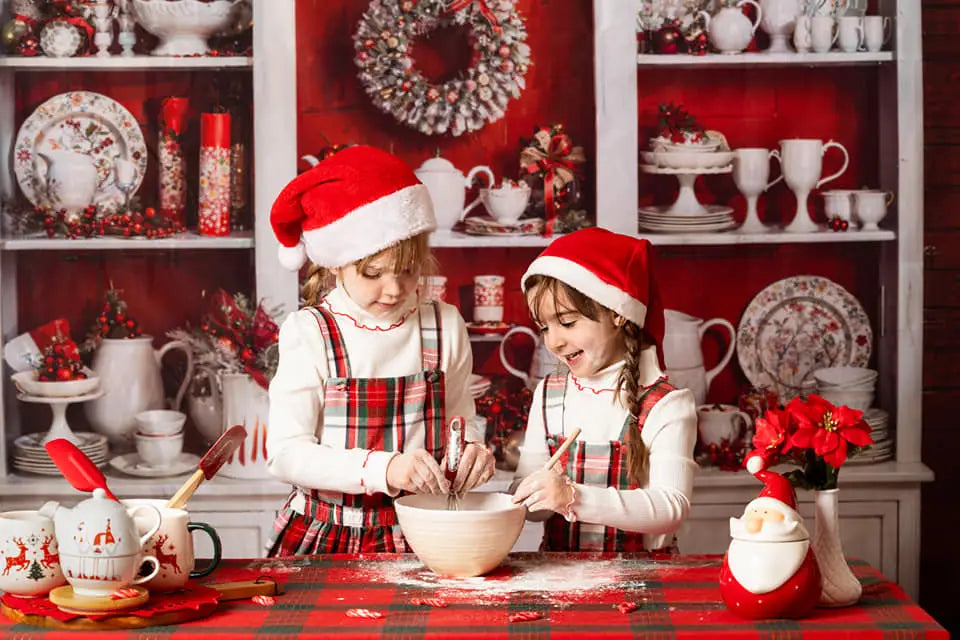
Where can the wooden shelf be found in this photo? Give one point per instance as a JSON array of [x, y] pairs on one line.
[[832, 58], [458, 239], [184, 241], [121, 63]]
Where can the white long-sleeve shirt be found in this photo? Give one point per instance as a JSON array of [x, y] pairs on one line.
[[670, 434], [377, 348]]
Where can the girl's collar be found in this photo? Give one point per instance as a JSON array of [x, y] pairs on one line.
[[339, 302]]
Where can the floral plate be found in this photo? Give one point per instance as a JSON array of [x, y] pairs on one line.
[[487, 226], [798, 325], [84, 122]]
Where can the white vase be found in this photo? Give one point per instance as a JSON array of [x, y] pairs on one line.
[[246, 403], [840, 587]]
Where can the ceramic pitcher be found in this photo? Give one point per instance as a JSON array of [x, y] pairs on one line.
[[542, 363], [246, 403], [129, 371], [70, 180], [683, 354]]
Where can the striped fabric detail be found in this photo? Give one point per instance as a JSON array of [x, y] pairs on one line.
[[366, 413], [592, 464]]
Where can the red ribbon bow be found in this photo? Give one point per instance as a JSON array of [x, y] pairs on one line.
[[481, 5], [558, 155]]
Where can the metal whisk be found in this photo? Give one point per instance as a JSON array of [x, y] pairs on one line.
[[451, 459]]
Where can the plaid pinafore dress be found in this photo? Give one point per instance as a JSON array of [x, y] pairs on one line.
[[366, 413], [593, 464]]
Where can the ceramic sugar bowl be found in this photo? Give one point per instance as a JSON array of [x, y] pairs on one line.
[[100, 550]]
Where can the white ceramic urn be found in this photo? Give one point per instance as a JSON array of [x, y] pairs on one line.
[[730, 30], [446, 185]]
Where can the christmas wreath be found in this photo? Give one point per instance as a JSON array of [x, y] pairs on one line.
[[467, 102]]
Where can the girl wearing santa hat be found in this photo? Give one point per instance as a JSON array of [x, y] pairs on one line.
[[369, 375], [625, 484]]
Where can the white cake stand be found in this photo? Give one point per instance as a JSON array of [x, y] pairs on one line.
[[686, 203], [59, 428]]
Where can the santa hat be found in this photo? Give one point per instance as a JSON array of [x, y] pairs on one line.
[[777, 492], [613, 269], [351, 205]]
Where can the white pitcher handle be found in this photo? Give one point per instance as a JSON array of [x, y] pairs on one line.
[[756, 22], [156, 526], [503, 353], [846, 161], [469, 183], [730, 348], [156, 569], [775, 153], [188, 376], [890, 198]]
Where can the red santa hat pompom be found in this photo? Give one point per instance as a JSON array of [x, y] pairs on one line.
[[351, 205], [615, 270]]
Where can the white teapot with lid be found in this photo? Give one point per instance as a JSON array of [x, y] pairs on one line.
[[100, 550], [730, 30], [446, 185]]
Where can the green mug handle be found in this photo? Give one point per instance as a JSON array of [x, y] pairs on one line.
[[215, 539]]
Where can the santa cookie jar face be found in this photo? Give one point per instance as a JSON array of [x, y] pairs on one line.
[[769, 570]]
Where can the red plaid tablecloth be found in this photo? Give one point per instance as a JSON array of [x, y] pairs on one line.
[[576, 594]]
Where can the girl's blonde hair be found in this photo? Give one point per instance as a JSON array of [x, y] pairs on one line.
[[542, 288], [409, 253]]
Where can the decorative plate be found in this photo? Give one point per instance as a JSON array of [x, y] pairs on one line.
[[798, 325], [84, 122], [487, 226], [131, 464]]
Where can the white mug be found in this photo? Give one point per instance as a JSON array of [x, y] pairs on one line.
[[822, 33], [802, 34], [434, 288], [838, 202], [850, 29], [870, 206], [876, 32], [719, 422], [28, 546], [488, 298]]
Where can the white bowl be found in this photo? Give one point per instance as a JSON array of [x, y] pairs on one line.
[[27, 382], [183, 26], [158, 451], [688, 159], [464, 543], [160, 422], [708, 145], [859, 400], [845, 377]]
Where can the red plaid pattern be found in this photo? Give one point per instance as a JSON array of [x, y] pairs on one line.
[[365, 413], [593, 464]]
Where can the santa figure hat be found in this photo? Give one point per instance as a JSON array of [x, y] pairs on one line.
[[351, 205], [613, 269], [777, 492]]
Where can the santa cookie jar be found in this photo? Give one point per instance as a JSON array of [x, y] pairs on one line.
[[769, 570]]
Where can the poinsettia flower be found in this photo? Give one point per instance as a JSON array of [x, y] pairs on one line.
[[827, 429], [773, 431]]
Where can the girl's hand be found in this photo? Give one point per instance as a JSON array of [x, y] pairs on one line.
[[416, 472], [476, 467], [546, 489]]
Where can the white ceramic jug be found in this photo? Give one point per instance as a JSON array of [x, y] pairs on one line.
[[129, 371], [246, 403], [683, 354], [446, 185], [779, 20], [542, 363], [70, 180], [730, 30]]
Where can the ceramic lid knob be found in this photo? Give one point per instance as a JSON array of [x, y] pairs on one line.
[[438, 164]]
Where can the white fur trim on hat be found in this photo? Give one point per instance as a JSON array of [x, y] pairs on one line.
[[586, 282], [372, 228], [292, 258]]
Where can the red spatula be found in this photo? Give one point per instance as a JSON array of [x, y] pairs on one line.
[[210, 463], [76, 467]]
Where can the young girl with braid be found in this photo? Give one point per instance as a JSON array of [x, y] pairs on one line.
[[369, 374], [625, 484]]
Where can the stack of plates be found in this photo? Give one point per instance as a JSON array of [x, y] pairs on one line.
[[30, 456], [661, 219], [882, 447], [478, 385]]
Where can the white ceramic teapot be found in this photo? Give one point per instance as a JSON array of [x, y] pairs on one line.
[[70, 180], [100, 550], [542, 363], [129, 371], [730, 30], [446, 185]]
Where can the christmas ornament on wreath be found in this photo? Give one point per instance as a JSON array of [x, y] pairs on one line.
[[475, 96]]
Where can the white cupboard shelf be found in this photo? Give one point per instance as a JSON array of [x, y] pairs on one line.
[[620, 72], [189, 240], [120, 63]]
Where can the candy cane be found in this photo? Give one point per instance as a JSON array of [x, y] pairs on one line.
[[363, 613], [266, 601], [429, 602], [525, 616], [627, 607], [123, 594]]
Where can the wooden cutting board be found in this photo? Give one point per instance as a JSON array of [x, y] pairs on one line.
[[228, 590]]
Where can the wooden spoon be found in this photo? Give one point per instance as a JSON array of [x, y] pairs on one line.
[[210, 463], [76, 467], [563, 448]]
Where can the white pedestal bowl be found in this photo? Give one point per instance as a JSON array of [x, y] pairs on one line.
[[183, 26], [470, 541]]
